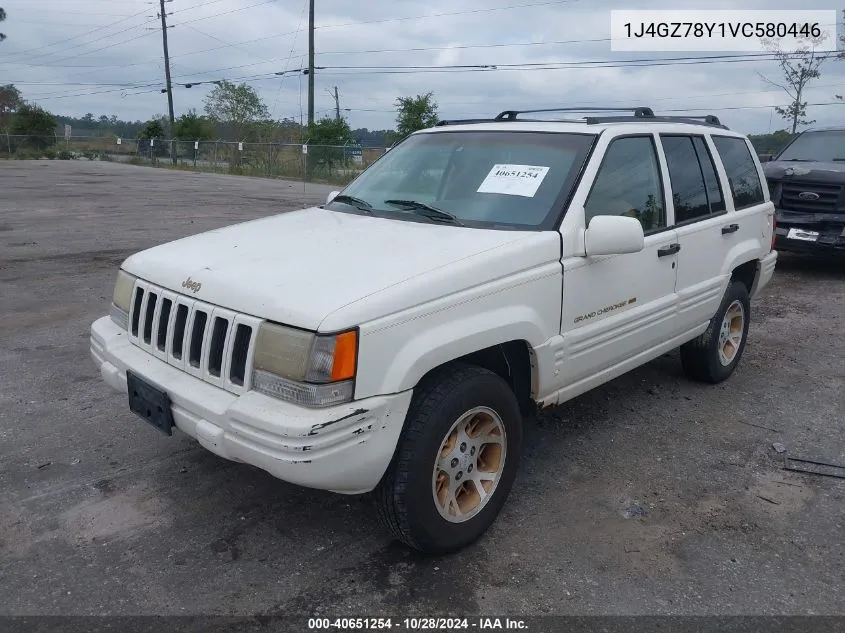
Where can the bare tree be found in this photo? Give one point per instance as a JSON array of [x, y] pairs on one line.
[[798, 67]]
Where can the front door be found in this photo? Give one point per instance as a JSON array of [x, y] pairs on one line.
[[619, 307]]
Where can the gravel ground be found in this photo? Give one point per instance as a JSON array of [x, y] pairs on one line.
[[649, 495]]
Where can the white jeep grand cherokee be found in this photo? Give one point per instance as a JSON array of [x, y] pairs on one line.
[[393, 339]]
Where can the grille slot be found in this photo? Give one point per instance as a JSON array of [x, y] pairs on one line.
[[240, 351], [828, 196], [197, 334], [148, 316], [211, 343], [163, 321], [136, 311], [179, 330], [218, 343]]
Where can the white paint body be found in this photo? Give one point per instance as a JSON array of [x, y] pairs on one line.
[[423, 295]]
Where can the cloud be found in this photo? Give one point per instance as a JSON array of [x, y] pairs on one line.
[[104, 57]]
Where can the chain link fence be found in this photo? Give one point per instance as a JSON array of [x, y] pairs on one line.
[[317, 163]]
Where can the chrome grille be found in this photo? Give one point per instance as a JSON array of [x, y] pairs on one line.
[[204, 340], [827, 196]]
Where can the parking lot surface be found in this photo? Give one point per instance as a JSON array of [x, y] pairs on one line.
[[649, 495]]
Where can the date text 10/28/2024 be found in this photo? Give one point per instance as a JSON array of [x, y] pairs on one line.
[[417, 624]]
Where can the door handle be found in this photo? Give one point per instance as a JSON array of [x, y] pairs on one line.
[[730, 228], [668, 250]]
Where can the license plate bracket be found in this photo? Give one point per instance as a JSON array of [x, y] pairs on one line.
[[150, 403]]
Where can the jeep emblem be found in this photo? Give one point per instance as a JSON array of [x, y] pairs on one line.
[[808, 195], [193, 286]]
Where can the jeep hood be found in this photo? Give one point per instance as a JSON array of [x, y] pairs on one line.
[[299, 267]]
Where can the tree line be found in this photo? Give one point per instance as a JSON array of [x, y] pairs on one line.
[[232, 112]]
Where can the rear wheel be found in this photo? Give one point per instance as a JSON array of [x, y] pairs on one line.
[[455, 463], [713, 356]]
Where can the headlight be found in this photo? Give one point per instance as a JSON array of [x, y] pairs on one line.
[[122, 299], [314, 370]]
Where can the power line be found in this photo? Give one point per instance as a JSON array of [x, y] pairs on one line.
[[75, 37]]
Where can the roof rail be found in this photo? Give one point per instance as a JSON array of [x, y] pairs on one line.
[[704, 119], [639, 112], [461, 121]]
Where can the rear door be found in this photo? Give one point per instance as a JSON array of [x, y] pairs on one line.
[[707, 229]]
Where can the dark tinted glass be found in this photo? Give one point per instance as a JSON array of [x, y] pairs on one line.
[[689, 192], [628, 183], [711, 180], [824, 145], [742, 172]]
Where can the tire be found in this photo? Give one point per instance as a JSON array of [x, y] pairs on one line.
[[406, 496], [701, 357]]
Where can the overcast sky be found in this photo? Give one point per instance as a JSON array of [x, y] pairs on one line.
[[105, 57]]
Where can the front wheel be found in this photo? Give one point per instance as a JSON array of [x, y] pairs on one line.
[[713, 356], [455, 463]]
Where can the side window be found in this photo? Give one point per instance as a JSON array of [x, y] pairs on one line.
[[628, 183], [711, 180], [695, 188], [742, 171]]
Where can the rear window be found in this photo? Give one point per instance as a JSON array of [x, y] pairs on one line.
[[742, 171], [488, 179]]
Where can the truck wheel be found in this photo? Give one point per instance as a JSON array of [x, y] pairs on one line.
[[714, 355], [455, 463]]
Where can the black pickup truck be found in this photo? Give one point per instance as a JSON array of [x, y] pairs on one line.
[[807, 184]]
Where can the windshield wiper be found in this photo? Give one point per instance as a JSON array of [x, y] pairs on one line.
[[426, 210], [362, 205]]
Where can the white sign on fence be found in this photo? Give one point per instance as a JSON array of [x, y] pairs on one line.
[[119, 140], [240, 147], [67, 130], [196, 144], [304, 149], [152, 142]]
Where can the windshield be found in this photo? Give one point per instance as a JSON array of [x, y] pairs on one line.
[[828, 146], [486, 179]]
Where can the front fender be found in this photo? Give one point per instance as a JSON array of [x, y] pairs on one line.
[[395, 356]]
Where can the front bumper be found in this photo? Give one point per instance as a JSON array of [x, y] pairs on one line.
[[344, 449], [817, 234]]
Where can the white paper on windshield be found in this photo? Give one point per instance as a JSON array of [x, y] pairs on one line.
[[514, 180]]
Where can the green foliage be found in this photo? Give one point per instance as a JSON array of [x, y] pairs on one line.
[[415, 113], [35, 124], [193, 127], [330, 131], [770, 143], [152, 129], [10, 101], [2, 17], [65, 155], [238, 106], [326, 139]]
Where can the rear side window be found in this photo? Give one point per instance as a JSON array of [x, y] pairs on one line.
[[695, 189], [742, 172]]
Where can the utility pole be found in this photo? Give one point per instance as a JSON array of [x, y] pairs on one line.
[[163, 16], [336, 105], [310, 62]]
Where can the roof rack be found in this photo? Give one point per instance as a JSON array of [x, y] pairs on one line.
[[639, 112], [462, 121]]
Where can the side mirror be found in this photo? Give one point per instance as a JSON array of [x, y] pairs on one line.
[[331, 196], [765, 158], [613, 235]]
